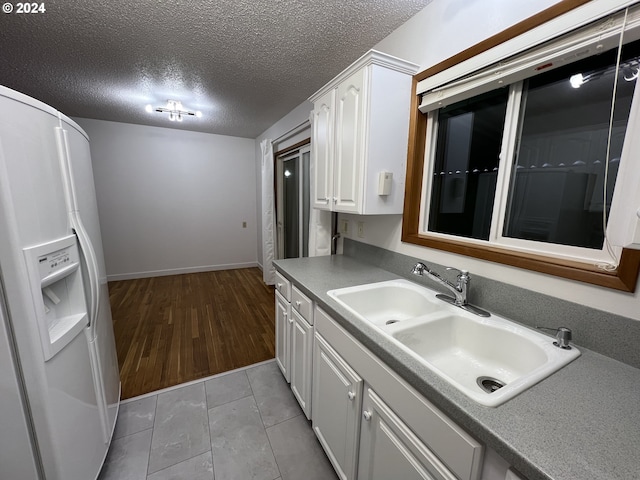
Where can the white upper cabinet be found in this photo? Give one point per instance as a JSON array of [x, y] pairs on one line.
[[360, 133], [321, 151]]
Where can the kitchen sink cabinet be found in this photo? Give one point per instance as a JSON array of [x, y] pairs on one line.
[[349, 381], [389, 449]]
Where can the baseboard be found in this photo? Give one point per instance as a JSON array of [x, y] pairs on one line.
[[179, 271]]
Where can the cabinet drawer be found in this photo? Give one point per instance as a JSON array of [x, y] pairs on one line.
[[283, 286], [301, 304]]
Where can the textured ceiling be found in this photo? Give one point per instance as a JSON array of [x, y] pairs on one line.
[[243, 63]]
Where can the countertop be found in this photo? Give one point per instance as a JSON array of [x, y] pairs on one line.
[[581, 423]]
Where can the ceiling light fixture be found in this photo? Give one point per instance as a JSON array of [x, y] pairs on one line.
[[175, 110]]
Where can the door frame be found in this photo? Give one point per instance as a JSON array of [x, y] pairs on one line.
[[298, 148]]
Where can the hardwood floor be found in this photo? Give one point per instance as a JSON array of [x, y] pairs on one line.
[[174, 329]]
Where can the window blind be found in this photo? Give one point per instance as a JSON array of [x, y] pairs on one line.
[[598, 36]]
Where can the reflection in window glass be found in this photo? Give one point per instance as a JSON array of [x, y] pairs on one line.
[[469, 139], [556, 188]]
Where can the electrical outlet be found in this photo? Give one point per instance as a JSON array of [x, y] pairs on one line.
[[344, 227], [361, 229], [244, 224]]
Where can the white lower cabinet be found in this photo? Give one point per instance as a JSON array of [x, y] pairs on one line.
[[370, 422], [294, 339], [361, 413], [301, 360], [284, 326], [337, 399], [389, 449]]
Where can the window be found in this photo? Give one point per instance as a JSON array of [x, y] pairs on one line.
[[469, 135], [515, 171]]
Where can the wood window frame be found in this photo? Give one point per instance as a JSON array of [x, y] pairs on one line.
[[624, 278]]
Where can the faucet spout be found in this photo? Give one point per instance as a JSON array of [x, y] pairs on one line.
[[459, 289]]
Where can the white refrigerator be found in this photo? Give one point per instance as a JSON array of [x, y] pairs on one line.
[[59, 380]]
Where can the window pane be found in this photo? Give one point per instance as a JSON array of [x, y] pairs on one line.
[[291, 208], [556, 189], [466, 165]]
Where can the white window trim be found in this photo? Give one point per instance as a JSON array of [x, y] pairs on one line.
[[576, 18]]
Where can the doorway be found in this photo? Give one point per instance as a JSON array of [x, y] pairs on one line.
[[293, 202]]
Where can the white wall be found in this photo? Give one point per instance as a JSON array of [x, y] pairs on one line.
[[446, 27], [172, 201], [441, 30]]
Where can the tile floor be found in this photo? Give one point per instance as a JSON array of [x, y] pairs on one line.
[[243, 425]]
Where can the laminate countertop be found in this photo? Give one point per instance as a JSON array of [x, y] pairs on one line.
[[580, 423]]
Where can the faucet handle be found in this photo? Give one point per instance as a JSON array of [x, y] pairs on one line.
[[462, 273]]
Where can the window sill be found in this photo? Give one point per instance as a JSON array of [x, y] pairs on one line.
[[624, 278]]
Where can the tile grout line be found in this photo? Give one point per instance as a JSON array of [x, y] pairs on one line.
[[193, 456], [206, 401], [285, 420], [153, 429], [264, 427], [272, 452]]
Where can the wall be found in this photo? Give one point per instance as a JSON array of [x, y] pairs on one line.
[[293, 119], [447, 27], [172, 201], [439, 31]]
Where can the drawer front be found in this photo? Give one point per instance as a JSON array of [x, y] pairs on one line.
[[283, 286], [301, 304]]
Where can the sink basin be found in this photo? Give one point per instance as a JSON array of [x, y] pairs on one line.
[[491, 360], [387, 302]]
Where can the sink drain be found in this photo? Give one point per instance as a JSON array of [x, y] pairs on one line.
[[489, 384], [391, 322]]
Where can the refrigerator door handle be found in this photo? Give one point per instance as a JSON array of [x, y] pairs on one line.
[[75, 221], [92, 268]]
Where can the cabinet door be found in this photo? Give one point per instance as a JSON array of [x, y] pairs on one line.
[[322, 150], [283, 335], [301, 361], [349, 151], [389, 449], [337, 392]]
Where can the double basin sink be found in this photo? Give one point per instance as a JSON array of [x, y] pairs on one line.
[[491, 360]]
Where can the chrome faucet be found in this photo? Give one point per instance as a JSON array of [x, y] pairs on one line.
[[459, 290]]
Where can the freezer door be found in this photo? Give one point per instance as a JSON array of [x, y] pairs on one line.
[[18, 457], [60, 392]]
